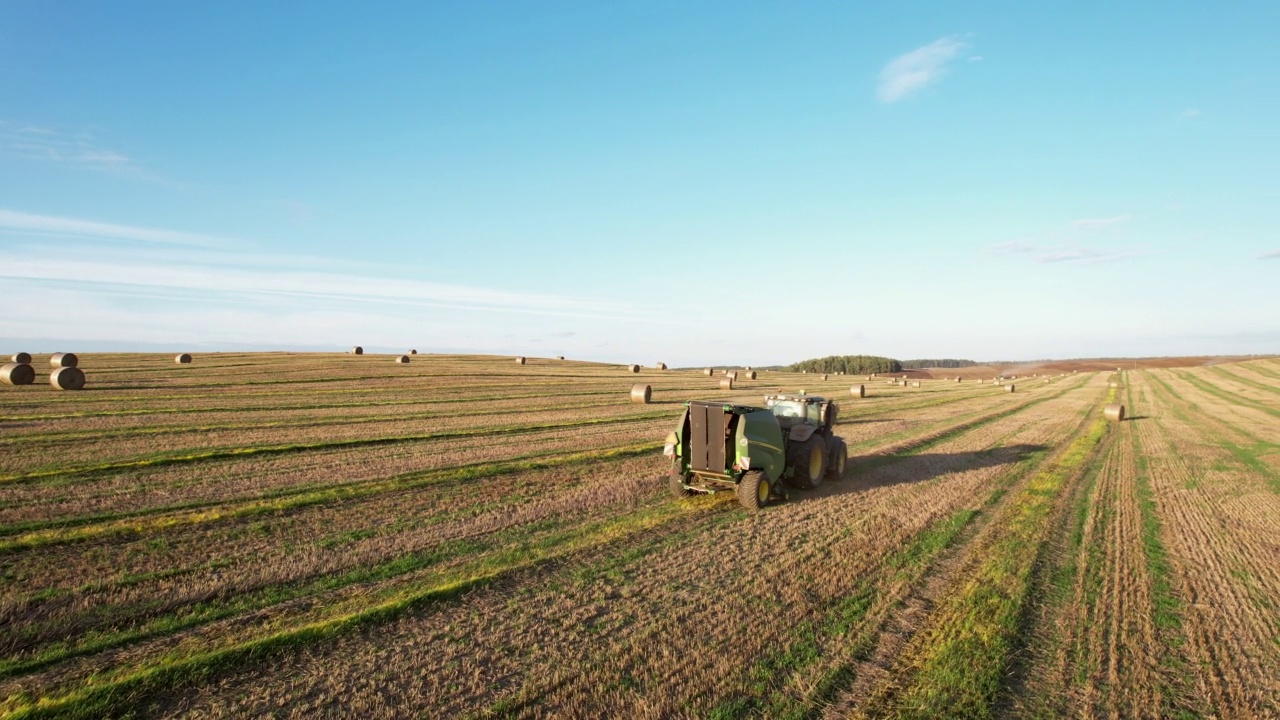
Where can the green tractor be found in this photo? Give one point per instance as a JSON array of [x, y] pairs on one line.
[[753, 450]]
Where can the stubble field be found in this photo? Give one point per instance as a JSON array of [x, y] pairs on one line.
[[308, 535]]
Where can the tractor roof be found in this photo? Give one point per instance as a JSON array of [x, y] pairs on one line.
[[807, 398]]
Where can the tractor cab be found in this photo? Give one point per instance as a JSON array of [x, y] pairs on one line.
[[793, 410]]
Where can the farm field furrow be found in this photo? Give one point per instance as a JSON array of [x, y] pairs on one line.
[[302, 535]]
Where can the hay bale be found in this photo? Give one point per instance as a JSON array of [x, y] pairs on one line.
[[357, 350], [915, 384], [16, 373], [22, 358], [641, 393], [559, 357], [402, 360], [751, 374], [1114, 384], [732, 375], [708, 372], [183, 359], [957, 379], [979, 381], [1009, 387], [520, 360], [871, 375], [413, 352], [726, 383], [824, 377], [634, 368], [63, 360], [67, 378], [858, 391], [660, 366], [1113, 412]]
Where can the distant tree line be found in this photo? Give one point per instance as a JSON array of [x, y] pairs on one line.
[[863, 364], [943, 363], [852, 364]]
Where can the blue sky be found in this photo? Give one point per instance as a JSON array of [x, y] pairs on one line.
[[643, 181]]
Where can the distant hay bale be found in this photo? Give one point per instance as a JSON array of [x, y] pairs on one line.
[[357, 350], [183, 359], [402, 360], [1009, 387], [67, 378], [16, 373], [726, 383], [22, 358], [824, 377], [871, 375], [751, 374], [708, 372], [1114, 384], [732, 375], [63, 360], [661, 366], [559, 357], [979, 381], [634, 368], [858, 391], [413, 352], [804, 372], [915, 384], [520, 360], [1114, 412], [641, 393]]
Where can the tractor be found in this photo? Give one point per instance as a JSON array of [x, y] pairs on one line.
[[755, 450]]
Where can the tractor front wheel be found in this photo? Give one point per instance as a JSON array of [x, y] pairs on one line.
[[753, 490], [839, 459], [810, 462]]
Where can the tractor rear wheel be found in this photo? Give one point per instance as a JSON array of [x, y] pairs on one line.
[[675, 483], [810, 462], [838, 460], [753, 490]]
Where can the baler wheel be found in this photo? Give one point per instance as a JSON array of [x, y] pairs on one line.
[[753, 490]]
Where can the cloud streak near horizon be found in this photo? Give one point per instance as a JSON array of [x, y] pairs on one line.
[[913, 71]]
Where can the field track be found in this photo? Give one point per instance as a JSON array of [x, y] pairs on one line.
[[301, 535]]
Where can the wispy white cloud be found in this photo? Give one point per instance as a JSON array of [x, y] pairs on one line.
[[1191, 112], [14, 221], [1272, 255], [1094, 223], [81, 149], [912, 71], [1084, 255]]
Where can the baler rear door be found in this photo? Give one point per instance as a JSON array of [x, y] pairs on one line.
[[707, 425]]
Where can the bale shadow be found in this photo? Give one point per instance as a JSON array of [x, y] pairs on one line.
[[1133, 418], [876, 471]]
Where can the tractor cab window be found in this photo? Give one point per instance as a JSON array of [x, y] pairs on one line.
[[813, 413], [787, 409]]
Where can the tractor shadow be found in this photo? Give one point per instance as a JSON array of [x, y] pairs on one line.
[[869, 472]]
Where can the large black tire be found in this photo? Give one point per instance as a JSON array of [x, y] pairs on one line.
[[675, 483], [753, 490], [838, 459], [809, 459]]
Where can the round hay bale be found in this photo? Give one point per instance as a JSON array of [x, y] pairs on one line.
[[661, 366], [402, 360], [858, 391], [732, 375], [1114, 384], [979, 381], [183, 359], [1009, 387], [1113, 412], [22, 358], [751, 374], [708, 372], [63, 360], [804, 372], [520, 360], [634, 368], [726, 383], [957, 379], [641, 393], [413, 352], [357, 350], [16, 373], [67, 378], [871, 375], [915, 384], [824, 377]]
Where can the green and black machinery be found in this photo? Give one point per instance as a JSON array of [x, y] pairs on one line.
[[755, 450]]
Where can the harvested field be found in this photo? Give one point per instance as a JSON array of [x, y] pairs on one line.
[[302, 535]]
